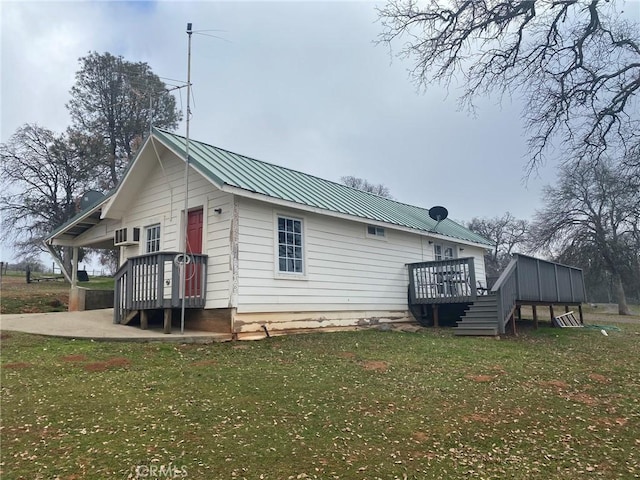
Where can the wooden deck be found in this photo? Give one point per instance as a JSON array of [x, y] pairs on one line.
[[154, 282], [525, 281]]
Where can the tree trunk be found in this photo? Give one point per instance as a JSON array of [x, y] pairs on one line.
[[621, 299]]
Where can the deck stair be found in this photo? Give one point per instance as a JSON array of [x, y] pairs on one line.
[[481, 318], [525, 281]]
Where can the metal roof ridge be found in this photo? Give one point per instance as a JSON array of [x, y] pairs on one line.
[[340, 185]]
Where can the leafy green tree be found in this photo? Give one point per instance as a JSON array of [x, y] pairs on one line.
[[113, 102]]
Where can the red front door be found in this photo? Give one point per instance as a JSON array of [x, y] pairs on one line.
[[193, 284]]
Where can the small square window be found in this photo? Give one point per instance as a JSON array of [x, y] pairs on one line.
[[374, 231], [443, 252]]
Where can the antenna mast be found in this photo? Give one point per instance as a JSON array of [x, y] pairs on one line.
[[183, 279]]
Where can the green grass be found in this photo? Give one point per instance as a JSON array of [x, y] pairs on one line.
[[547, 404], [18, 296]]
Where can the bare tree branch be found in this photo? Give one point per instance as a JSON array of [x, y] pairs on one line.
[[576, 63]]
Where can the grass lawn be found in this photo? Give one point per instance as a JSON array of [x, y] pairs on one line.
[[547, 404], [18, 296]]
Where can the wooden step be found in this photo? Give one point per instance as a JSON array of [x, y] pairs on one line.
[[129, 315], [479, 331], [482, 314]]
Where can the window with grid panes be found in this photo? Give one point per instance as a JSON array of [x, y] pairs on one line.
[[152, 240], [290, 258]]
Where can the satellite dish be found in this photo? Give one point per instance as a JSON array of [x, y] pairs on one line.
[[438, 213], [89, 198]]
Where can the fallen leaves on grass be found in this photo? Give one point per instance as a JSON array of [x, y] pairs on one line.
[[74, 358], [480, 378]]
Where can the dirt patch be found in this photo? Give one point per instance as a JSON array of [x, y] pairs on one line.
[[17, 365], [348, 355], [618, 422], [375, 365], [582, 398], [240, 347], [112, 363], [479, 378], [4, 335], [74, 358], [559, 384], [119, 362], [477, 418], [596, 377], [420, 437]]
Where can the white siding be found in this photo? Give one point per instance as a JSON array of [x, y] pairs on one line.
[[161, 200], [346, 270], [101, 232]]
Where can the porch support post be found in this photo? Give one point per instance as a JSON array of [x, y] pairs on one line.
[[580, 312], [513, 324], [74, 268], [144, 320], [436, 318], [551, 314], [57, 259], [535, 316], [167, 320], [75, 303]]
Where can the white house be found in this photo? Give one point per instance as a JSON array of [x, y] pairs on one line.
[[269, 246]]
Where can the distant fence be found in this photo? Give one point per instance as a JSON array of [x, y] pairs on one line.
[[21, 268]]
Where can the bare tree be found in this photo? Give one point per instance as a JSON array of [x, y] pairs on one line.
[[594, 209], [365, 186], [508, 235], [576, 63], [43, 175], [113, 102]]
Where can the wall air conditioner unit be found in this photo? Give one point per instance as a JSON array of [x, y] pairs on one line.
[[126, 236]]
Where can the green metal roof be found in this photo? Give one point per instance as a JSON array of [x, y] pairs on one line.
[[227, 168], [83, 220]]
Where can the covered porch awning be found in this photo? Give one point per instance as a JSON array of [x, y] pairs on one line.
[[86, 229]]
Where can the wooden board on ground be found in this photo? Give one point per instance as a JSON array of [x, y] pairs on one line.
[[567, 320]]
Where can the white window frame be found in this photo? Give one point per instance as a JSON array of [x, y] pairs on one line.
[[443, 247], [277, 257], [379, 233], [152, 241]]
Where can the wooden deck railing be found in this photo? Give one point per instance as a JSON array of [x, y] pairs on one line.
[[443, 281], [506, 290], [544, 281], [153, 281], [532, 280]]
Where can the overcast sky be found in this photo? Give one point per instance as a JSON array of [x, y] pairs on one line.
[[299, 84]]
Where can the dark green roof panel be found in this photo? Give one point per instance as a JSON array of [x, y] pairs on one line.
[[224, 167]]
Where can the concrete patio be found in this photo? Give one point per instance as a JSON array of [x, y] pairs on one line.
[[98, 325]]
